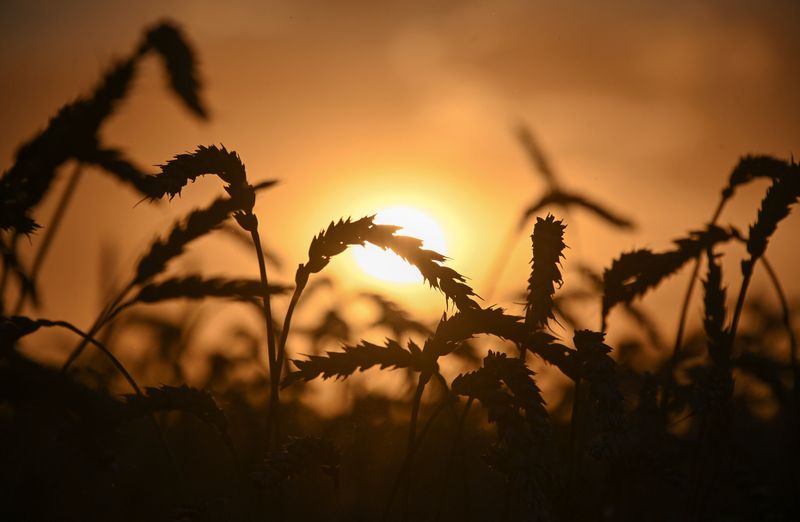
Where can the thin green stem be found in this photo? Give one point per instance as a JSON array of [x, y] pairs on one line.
[[273, 417], [50, 232]]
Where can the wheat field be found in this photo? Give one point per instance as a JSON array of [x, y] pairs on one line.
[[516, 412]]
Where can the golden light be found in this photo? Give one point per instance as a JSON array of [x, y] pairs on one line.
[[388, 266]]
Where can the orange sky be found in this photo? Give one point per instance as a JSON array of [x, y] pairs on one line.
[[360, 105]]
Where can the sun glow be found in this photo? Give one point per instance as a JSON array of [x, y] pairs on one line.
[[388, 266]]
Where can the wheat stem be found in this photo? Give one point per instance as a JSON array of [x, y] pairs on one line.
[[301, 280], [273, 417]]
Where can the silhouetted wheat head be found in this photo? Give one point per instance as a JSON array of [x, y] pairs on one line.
[[548, 248]]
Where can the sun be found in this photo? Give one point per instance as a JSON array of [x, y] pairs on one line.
[[388, 266]]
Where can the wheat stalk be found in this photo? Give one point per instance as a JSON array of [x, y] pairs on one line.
[[747, 169]]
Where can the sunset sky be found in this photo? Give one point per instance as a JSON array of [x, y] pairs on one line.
[[360, 105]]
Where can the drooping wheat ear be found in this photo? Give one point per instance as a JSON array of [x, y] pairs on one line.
[[226, 165], [505, 387], [181, 65], [443, 278], [714, 316], [328, 243], [339, 235], [775, 206], [197, 224], [341, 365], [548, 248], [178, 398], [465, 324], [565, 200], [599, 370], [634, 273], [752, 167]]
